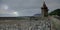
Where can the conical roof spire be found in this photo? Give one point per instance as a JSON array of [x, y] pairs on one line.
[[44, 5]]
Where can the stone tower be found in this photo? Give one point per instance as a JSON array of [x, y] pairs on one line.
[[44, 10]]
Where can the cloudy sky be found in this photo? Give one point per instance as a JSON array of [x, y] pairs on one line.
[[10, 8]]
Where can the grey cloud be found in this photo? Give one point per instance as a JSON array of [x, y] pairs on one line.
[[23, 3], [30, 7], [30, 12]]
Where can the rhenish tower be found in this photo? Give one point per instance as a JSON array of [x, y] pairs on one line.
[[44, 10]]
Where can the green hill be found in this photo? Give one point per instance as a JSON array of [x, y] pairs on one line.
[[55, 12]]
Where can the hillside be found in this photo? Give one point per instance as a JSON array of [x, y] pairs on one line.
[[55, 12]]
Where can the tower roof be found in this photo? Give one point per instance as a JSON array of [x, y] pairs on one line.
[[44, 5]]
